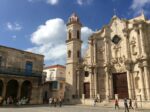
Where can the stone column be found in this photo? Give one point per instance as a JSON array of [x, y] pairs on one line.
[[95, 82], [4, 89], [133, 86], [92, 89], [142, 41], [111, 87], [78, 83], [146, 74], [19, 89], [107, 83], [142, 83], [129, 84]]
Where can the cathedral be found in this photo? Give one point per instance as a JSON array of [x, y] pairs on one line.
[[116, 63]]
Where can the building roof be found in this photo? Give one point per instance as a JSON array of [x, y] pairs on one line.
[[55, 66], [1, 46]]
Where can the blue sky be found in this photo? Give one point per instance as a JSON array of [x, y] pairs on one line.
[[39, 25]]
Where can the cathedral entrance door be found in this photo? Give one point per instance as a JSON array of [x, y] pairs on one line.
[[87, 89], [120, 85]]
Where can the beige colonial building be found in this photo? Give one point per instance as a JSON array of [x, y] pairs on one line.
[[116, 63], [20, 74], [54, 85]]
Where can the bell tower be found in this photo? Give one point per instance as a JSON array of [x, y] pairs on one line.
[[73, 43]]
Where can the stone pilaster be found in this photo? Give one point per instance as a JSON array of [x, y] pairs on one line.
[[95, 82], [129, 84], [92, 89], [142, 41], [142, 83], [146, 80], [19, 88], [107, 83]]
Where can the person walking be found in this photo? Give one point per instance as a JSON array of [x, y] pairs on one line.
[[126, 105], [55, 102], [50, 101], [94, 102], [60, 102], [130, 104], [116, 104], [135, 105]]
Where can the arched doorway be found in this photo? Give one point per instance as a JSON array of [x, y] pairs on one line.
[[1, 87], [26, 89], [120, 85], [12, 89]]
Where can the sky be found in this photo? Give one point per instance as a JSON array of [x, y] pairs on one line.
[[39, 26]]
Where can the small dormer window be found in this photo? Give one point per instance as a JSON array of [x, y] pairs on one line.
[[116, 39]]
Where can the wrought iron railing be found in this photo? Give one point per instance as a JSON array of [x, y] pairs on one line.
[[19, 72]]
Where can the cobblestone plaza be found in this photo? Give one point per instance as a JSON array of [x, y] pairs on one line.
[[65, 109]]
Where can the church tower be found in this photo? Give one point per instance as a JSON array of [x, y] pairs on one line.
[[73, 43]]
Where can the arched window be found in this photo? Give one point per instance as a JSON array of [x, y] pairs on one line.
[[78, 54], [78, 34], [69, 34], [69, 54]]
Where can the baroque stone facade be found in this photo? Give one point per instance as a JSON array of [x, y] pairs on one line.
[[20, 74], [116, 63]]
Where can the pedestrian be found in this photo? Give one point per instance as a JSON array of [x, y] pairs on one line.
[[94, 102], [126, 105], [60, 102], [50, 101], [135, 105], [55, 102], [130, 104], [116, 104]]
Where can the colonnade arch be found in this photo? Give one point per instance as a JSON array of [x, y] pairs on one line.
[[12, 88], [1, 87], [26, 89]]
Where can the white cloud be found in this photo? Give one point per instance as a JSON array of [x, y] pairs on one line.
[[82, 2], [14, 37], [139, 5], [49, 40], [13, 26], [49, 32], [51, 2], [85, 33]]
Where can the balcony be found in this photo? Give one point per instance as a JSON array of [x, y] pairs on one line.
[[19, 72]]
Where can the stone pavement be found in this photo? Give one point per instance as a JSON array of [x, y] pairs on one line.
[[78, 108]]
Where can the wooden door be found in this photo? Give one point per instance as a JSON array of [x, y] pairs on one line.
[[120, 85], [87, 90]]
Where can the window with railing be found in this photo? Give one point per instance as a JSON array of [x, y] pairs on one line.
[[53, 85], [28, 68], [18, 71]]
